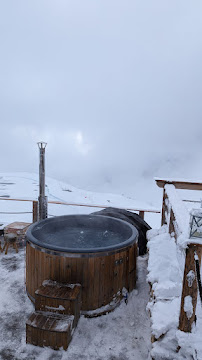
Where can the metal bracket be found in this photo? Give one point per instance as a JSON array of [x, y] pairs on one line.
[[119, 261]]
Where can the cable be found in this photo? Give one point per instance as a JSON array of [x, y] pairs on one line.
[[18, 212]]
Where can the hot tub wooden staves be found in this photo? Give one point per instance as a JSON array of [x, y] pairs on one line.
[[102, 275]]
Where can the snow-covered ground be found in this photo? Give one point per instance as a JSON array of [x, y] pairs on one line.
[[123, 334]]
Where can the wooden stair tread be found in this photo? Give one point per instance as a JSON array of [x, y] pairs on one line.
[[57, 311], [51, 321], [57, 290]]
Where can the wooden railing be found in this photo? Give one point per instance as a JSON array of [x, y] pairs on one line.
[[176, 217], [190, 287], [141, 212]]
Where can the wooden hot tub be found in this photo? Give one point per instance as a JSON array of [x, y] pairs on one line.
[[98, 252]]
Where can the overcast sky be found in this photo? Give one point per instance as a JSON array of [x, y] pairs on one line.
[[114, 87]]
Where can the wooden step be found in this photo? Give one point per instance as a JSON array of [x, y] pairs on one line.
[[49, 329], [59, 298]]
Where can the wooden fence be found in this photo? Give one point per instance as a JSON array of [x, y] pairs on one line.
[[141, 212], [176, 217]]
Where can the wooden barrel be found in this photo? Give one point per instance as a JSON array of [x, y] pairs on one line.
[[102, 274]]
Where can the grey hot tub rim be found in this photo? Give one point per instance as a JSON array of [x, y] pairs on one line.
[[35, 233]]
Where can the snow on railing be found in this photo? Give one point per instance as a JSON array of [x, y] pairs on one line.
[[177, 218], [180, 213], [175, 215], [34, 212], [172, 274]]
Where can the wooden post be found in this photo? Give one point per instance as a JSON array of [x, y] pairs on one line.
[[171, 224], [35, 211], [164, 208], [189, 289], [141, 214], [199, 253]]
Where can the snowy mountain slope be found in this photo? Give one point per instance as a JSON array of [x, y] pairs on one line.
[[25, 186]]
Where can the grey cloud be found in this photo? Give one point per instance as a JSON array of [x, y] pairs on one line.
[[125, 74]]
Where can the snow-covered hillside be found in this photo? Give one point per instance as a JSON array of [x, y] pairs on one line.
[[25, 186]]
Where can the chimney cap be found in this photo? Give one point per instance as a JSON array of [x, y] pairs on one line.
[[42, 144]]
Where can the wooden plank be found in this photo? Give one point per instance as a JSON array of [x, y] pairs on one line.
[[45, 329], [91, 272], [33, 273], [171, 224], [108, 292], [34, 211], [39, 256], [121, 270], [52, 268], [46, 268], [116, 273], [84, 205], [96, 282], [132, 267], [180, 184], [199, 253], [74, 278], [126, 271], [102, 282], [189, 289], [79, 272], [68, 270], [164, 208], [30, 270], [57, 268], [40, 332], [85, 284]]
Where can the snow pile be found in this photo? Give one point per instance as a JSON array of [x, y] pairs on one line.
[[190, 344], [165, 275], [164, 272], [181, 214], [164, 316], [165, 278], [188, 306]]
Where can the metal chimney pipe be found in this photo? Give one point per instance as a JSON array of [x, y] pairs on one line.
[[42, 199]]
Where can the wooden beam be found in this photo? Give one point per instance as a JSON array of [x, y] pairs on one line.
[[179, 184], [189, 289], [171, 224], [164, 208], [35, 211], [141, 213], [156, 211]]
